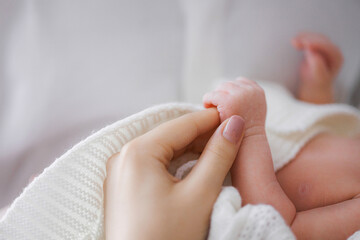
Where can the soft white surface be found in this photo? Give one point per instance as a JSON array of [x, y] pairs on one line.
[[69, 67], [66, 200], [230, 221], [355, 236]]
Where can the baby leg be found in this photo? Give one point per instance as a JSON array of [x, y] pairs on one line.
[[338, 221], [252, 173], [325, 172]]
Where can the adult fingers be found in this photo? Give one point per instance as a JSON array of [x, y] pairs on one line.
[[165, 140], [217, 158], [212, 99], [197, 146]]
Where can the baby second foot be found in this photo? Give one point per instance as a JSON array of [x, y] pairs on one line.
[[316, 83], [322, 62]]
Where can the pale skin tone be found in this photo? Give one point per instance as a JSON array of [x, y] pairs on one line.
[[144, 201], [317, 193]]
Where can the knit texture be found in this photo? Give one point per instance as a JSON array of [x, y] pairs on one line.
[[66, 200]]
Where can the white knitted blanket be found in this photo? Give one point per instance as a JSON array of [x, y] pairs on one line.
[[66, 200]]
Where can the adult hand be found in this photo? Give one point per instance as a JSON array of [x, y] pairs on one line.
[[142, 199]]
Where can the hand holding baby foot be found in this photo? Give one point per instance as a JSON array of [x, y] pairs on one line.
[[321, 64], [241, 97]]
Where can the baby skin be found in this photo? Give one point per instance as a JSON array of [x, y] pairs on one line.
[[318, 192]]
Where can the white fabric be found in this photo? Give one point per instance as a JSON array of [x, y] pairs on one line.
[[66, 200], [230, 221], [355, 236], [291, 123]]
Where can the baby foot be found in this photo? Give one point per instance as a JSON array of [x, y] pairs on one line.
[[241, 97], [321, 64]]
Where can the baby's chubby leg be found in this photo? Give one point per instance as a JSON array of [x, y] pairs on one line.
[[325, 171], [252, 173], [337, 221], [323, 182]]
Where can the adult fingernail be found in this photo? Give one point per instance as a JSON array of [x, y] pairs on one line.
[[233, 129]]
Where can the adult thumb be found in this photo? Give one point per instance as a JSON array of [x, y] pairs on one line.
[[217, 158]]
